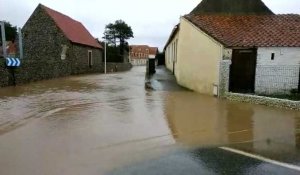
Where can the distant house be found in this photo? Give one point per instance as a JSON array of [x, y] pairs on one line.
[[139, 54], [260, 49], [11, 49], [58, 45]]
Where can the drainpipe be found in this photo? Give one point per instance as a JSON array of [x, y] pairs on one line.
[[299, 82], [220, 73], [105, 54]]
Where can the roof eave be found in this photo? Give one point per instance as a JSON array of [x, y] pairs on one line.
[[206, 32], [86, 45], [173, 33]]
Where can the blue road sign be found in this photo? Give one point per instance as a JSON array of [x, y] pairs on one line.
[[13, 62]]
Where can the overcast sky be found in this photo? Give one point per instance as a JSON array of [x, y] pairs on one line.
[[151, 20]]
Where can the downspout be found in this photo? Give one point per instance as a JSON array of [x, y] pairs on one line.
[[220, 72]]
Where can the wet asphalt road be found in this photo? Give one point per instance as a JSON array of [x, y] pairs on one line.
[[109, 124], [211, 161]]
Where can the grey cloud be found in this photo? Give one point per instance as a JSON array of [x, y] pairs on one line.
[[151, 20]]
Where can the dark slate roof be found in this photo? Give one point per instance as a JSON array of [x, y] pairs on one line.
[[231, 7], [251, 30], [72, 29]]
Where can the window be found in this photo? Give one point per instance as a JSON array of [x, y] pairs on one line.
[[64, 52], [90, 59], [273, 56], [176, 48]]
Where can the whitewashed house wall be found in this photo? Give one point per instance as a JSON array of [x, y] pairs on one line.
[[280, 75]]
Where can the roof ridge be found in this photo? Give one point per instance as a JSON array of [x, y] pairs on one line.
[[250, 30], [48, 8], [74, 30], [241, 15]]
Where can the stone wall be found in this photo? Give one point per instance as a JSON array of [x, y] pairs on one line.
[[138, 61], [43, 45], [273, 102], [30, 71], [4, 74], [118, 67], [224, 77], [79, 56]]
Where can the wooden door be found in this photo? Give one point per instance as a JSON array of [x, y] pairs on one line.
[[242, 71]]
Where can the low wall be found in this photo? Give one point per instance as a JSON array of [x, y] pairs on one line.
[[31, 71], [118, 67], [4, 74], [273, 102]]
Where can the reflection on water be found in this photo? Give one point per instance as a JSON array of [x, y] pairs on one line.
[[95, 123], [203, 121]]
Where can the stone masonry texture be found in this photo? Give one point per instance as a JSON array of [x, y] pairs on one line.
[[43, 44], [267, 101]]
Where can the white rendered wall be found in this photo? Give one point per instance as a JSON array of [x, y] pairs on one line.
[[280, 75]]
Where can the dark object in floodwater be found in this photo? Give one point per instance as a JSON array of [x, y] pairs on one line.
[[148, 86], [151, 66]]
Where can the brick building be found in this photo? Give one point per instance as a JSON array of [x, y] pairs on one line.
[[139, 54]]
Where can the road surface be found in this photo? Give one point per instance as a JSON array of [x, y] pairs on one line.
[[110, 124]]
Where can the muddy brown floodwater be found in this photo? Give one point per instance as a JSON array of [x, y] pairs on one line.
[[94, 124]]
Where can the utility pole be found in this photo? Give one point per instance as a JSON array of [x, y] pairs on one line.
[[105, 54], [3, 38]]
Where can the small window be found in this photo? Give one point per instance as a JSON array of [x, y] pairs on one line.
[[273, 56], [64, 52], [90, 58]]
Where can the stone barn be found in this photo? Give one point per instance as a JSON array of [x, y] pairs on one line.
[[56, 45]]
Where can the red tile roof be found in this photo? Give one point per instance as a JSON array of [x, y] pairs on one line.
[[139, 48], [72, 29], [251, 30], [153, 50], [145, 50]]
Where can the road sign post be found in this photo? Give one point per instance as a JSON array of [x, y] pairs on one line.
[[3, 38], [13, 62]]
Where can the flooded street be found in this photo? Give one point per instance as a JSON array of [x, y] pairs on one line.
[[99, 124]]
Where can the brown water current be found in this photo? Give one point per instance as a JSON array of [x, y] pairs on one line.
[[93, 124]]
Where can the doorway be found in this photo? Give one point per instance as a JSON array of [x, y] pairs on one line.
[[242, 71]]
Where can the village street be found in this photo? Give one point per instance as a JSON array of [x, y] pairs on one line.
[[110, 124]]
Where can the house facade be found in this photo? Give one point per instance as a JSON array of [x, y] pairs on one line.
[[171, 50], [56, 45], [243, 53], [139, 54]]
